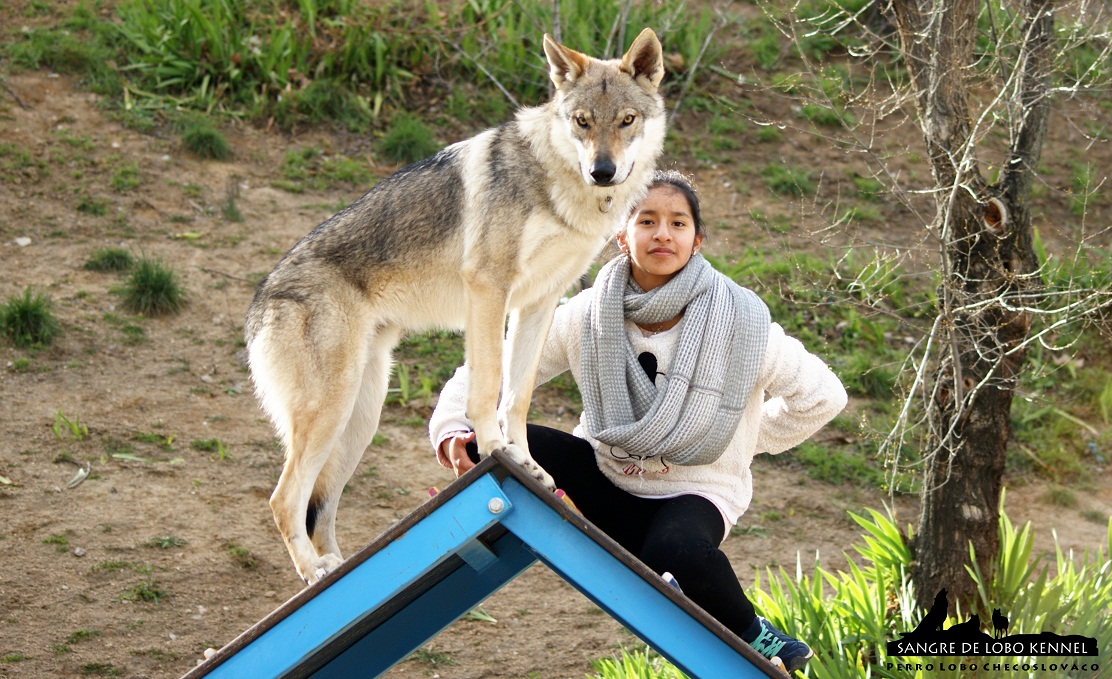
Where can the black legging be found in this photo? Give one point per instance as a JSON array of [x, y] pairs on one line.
[[679, 535]]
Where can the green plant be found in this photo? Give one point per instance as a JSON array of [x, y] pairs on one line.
[[64, 427], [153, 289], [92, 206], [28, 320], [21, 364], [431, 658], [788, 181], [205, 141], [82, 635], [148, 590], [408, 140], [640, 663], [166, 542], [210, 446], [60, 542], [101, 669], [126, 177], [242, 556], [13, 658], [310, 168], [324, 101], [110, 259]]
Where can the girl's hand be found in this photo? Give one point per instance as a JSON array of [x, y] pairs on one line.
[[454, 449]]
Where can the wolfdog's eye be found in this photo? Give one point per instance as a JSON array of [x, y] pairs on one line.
[[581, 120], [628, 120]]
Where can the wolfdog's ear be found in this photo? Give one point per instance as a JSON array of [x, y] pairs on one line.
[[645, 59], [564, 65]]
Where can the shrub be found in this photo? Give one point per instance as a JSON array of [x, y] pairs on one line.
[[28, 320]]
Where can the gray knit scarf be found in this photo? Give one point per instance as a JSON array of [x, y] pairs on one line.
[[693, 413]]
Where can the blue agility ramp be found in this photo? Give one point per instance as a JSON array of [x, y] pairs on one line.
[[449, 555]]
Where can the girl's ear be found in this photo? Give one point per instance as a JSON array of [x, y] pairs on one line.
[[620, 239], [698, 243]]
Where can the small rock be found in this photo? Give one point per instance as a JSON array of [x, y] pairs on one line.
[[23, 241], [79, 551]]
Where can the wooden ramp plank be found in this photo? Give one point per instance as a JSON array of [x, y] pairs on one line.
[[449, 555]]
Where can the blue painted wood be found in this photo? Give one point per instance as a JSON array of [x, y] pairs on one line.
[[621, 592], [293, 641], [424, 618], [447, 557]]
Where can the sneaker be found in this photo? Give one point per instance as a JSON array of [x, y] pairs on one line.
[[775, 645], [671, 580]]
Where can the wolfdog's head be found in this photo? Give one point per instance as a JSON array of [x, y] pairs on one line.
[[609, 111]]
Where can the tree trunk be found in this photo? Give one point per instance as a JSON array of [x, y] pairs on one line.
[[985, 235]]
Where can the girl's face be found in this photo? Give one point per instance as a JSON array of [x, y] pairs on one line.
[[659, 237]]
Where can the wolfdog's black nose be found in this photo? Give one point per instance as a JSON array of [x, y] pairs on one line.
[[603, 171]]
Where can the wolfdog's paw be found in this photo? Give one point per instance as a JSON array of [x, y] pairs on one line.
[[530, 465], [321, 567]]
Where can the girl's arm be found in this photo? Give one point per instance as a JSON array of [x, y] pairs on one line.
[[803, 394]]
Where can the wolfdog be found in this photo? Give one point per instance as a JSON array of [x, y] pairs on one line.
[[502, 222]]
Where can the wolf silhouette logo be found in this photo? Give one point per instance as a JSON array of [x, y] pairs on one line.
[[966, 638]]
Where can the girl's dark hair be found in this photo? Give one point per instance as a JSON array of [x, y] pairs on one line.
[[682, 183]]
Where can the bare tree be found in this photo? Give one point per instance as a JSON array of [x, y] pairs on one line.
[[962, 376], [989, 269]]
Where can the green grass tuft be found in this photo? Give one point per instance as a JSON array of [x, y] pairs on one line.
[[153, 289], [408, 140], [205, 141], [28, 320], [110, 259]]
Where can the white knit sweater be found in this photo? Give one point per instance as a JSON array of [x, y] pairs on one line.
[[795, 395]]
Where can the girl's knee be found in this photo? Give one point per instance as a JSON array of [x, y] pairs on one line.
[[675, 550]]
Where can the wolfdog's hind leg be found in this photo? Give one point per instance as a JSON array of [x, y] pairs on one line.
[[348, 451], [315, 381]]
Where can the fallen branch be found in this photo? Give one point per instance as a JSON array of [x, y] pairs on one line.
[[9, 90]]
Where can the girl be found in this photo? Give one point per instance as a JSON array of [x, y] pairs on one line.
[[684, 379]]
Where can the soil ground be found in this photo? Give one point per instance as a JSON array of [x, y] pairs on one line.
[[160, 555]]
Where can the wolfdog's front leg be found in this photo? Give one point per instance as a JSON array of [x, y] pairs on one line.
[[524, 341], [486, 313]]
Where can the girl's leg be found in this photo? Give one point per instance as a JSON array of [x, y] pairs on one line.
[[571, 462], [683, 539]]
